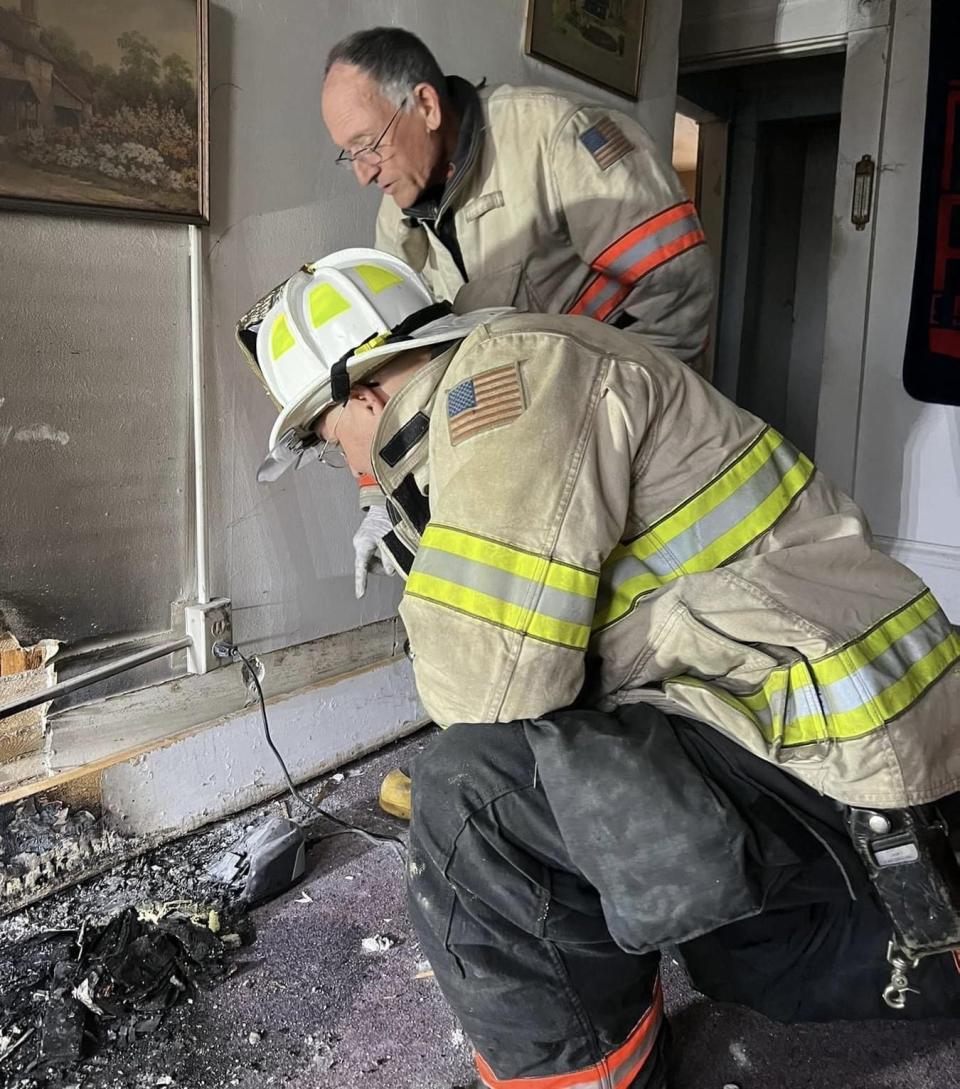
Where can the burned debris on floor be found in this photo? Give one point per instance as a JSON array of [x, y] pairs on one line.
[[305, 1005], [106, 984], [102, 964], [87, 973], [43, 843]]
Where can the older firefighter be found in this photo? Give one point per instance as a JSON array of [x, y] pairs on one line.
[[688, 701], [517, 196]]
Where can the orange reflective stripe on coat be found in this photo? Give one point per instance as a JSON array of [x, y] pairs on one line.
[[633, 255], [614, 1071]]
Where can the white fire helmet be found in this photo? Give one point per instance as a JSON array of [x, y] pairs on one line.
[[330, 325]]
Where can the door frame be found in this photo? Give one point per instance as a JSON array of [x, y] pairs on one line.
[[866, 45], [851, 256], [711, 203]]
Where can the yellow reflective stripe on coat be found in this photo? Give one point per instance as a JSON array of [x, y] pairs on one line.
[[499, 584], [743, 502], [856, 689]]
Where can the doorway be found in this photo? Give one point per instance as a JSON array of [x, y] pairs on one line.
[[785, 308], [779, 164]]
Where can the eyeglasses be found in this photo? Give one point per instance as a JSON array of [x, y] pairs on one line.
[[370, 156], [330, 453]]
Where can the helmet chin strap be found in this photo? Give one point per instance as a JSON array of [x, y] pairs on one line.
[[339, 376]]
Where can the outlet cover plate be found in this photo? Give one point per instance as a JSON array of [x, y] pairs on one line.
[[207, 623]]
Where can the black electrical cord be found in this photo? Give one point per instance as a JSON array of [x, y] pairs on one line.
[[235, 653]]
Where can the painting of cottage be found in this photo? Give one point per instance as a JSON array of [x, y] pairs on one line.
[[103, 106]]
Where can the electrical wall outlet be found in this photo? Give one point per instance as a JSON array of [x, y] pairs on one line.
[[206, 624]]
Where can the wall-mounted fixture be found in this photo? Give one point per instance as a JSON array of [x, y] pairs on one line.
[[863, 174]]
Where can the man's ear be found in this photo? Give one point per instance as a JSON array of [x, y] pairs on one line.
[[426, 101], [370, 398]]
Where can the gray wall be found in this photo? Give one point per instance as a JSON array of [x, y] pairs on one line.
[[94, 345], [93, 426]]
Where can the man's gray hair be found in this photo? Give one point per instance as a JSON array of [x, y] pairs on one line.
[[396, 59]]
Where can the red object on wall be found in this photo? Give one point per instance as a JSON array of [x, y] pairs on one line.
[[931, 366], [945, 302]]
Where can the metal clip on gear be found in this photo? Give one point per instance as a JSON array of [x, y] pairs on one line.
[[896, 991], [913, 866]]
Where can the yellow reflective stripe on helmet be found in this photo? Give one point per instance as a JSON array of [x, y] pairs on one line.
[[377, 278], [281, 339], [743, 502], [496, 583], [856, 689], [325, 303]]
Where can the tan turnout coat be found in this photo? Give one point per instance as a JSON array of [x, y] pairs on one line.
[[566, 206], [592, 522]]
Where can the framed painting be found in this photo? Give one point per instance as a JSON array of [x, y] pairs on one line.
[[597, 40], [103, 107]]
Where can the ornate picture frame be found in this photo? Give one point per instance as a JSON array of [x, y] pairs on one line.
[[600, 41]]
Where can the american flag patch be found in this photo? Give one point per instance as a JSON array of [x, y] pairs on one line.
[[606, 143], [492, 398]]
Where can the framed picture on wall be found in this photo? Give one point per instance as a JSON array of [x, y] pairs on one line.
[[598, 40], [103, 107]]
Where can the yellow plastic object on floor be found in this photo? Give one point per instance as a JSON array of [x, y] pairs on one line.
[[395, 794]]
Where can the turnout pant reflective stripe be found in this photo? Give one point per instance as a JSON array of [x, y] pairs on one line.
[[498, 584], [856, 689], [616, 1071], [635, 254], [743, 502]]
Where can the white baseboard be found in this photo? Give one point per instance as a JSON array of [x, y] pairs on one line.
[[174, 755], [208, 773], [937, 565]]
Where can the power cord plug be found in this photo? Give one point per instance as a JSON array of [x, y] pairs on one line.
[[226, 651]]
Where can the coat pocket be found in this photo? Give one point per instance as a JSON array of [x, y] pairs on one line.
[[772, 704], [710, 653]]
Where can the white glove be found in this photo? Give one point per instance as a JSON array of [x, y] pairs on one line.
[[366, 546]]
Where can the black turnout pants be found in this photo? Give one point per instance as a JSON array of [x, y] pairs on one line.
[[550, 860]]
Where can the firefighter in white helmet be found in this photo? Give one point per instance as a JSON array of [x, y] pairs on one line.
[[685, 695]]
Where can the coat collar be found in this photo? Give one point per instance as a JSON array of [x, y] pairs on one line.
[[433, 202], [401, 443]]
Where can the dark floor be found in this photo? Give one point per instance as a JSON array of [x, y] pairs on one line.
[[312, 1009]]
